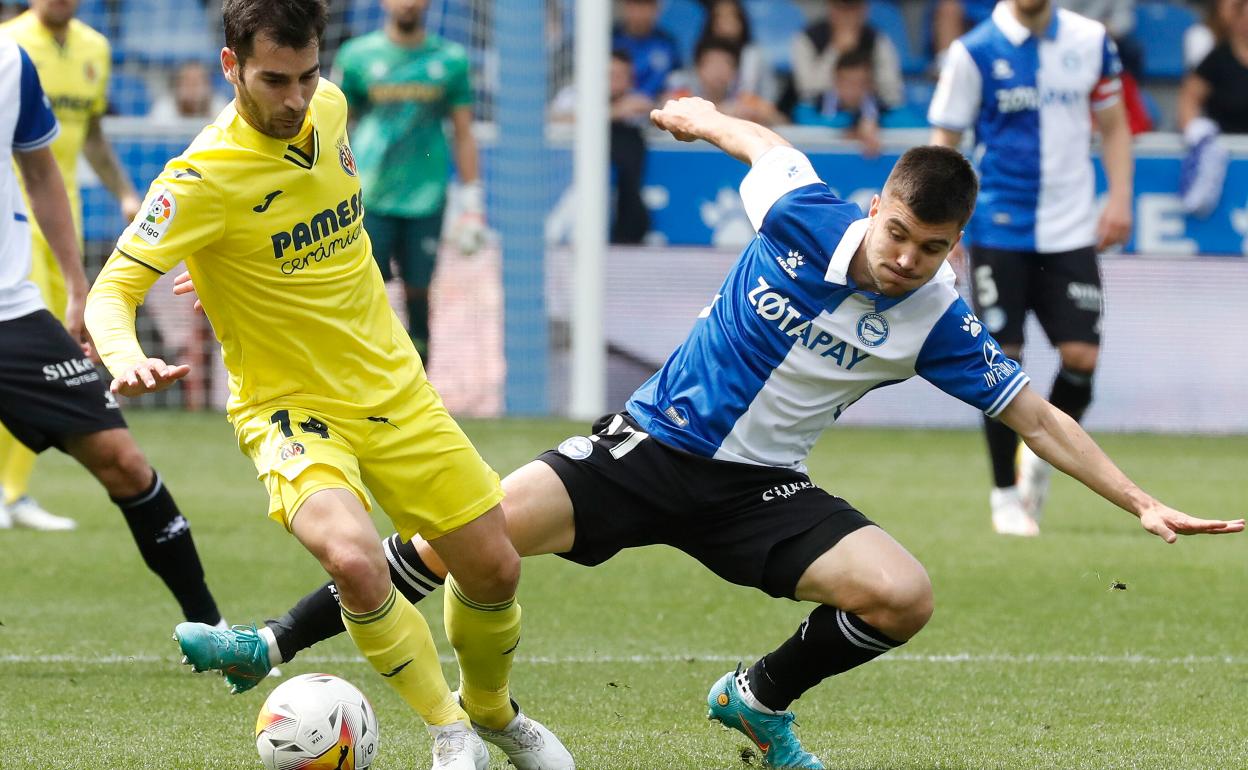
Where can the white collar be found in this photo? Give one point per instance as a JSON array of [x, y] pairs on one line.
[[1013, 29], [838, 266]]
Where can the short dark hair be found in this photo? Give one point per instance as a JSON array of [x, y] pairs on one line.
[[854, 57], [289, 23], [938, 184], [622, 55], [707, 45]]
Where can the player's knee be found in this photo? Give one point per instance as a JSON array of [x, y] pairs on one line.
[[125, 472], [359, 573], [1082, 360], [494, 580], [902, 604]]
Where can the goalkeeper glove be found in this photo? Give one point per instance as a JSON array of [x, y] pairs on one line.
[[468, 232]]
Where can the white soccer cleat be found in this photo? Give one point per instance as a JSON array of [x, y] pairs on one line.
[[1008, 515], [457, 747], [1033, 481], [529, 744], [28, 514]]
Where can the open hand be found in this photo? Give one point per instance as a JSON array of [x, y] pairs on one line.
[[1167, 524], [151, 376]]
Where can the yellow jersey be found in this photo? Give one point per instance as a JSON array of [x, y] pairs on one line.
[[75, 79], [275, 243]]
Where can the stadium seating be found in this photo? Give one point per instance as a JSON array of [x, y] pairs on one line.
[[683, 19], [95, 14], [1159, 27], [887, 18], [166, 31], [127, 94], [774, 23]]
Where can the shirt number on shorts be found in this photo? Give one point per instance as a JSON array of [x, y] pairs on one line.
[[281, 418], [985, 287]]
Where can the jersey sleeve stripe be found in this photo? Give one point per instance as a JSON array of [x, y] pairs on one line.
[[139, 261], [1011, 390], [41, 142]]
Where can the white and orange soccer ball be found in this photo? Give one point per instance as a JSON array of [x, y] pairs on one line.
[[317, 722]]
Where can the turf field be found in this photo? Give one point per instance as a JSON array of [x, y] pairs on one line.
[[1031, 660]]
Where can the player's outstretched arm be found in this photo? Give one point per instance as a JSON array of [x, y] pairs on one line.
[[691, 118], [1057, 438], [116, 295]]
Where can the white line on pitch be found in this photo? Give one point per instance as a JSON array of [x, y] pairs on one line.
[[554, 660]]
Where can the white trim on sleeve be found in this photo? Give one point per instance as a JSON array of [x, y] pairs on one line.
[[775, 173], [956, 102]]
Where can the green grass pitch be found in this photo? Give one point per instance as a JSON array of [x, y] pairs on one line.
[[1031, 660]]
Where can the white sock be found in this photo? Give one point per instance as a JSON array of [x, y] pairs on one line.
[[222, 625], [275, 655], [747, 695]]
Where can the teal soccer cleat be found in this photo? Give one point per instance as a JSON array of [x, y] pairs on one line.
[[239, 653], [772, 733]]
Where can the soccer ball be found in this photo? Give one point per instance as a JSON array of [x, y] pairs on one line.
[[317, 722]]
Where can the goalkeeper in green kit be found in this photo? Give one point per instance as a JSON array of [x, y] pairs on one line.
[[402, 83]]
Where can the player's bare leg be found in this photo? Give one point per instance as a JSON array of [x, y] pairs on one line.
[[161, 533], [873, 596], [333, 525]]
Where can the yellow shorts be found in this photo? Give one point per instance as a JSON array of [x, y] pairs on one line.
[[419, 466]]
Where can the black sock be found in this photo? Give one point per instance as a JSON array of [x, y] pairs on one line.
[[829, 642], [1072, 392], [1002, 446], [164, 540], [317, 616]]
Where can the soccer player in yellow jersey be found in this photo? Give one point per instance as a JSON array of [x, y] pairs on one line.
[[327, 394], [73, 63]]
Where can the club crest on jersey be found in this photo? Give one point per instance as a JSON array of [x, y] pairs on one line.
[[576, 448], [292, 449], [872, 330], [154, 220], [345, 157]]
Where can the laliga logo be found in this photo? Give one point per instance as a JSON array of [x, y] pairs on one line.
[[872, 330]]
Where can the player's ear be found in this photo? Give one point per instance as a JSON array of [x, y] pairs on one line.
[[875, 206], [229, 65]]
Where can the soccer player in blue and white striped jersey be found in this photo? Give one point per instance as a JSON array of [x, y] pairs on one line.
[[1028, 82], [823, 306]]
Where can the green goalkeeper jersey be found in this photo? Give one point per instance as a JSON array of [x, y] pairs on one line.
[[401, 98]]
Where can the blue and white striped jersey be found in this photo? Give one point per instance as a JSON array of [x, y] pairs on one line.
[[790, 342], [26, 124], [1030, 104]]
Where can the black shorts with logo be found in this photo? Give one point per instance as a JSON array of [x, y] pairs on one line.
[[48, 390], [1063, 288], [753, 525]]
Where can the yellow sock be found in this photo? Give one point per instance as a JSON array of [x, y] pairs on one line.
[[485, 637], [395, 639], [17, 463]]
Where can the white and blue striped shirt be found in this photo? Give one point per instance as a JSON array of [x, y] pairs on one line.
[[790, 341], [26, 124], [1030, 103]]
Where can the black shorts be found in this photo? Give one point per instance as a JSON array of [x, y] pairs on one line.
[[752, 525], [49, 391], [1064, 290]]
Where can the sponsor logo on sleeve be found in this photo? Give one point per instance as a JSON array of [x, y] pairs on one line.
[[154, 220]]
